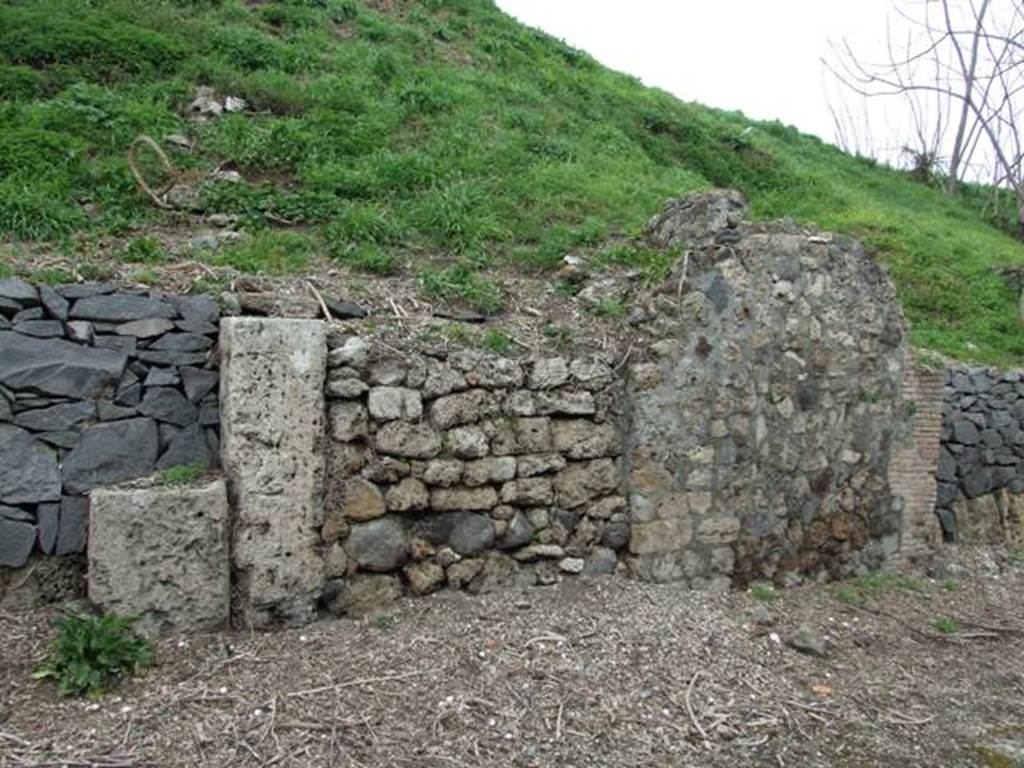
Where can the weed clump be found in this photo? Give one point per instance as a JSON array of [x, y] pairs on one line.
[[92, 654]]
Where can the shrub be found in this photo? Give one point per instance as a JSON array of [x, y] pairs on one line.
[[92, 654]]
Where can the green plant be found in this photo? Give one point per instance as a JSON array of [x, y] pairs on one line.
[[946, 625], [867, 396], [461, 283], [849, 595], [610, 307], [560, 335], [762, 591], [874, 585], [268, 250], [368, 258], [497, 341], [446, 128], [950, 585], [143, 250], [92, 654], [182, 475], [1016, 556]]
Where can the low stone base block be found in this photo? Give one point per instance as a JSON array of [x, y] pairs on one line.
[[161, 553]]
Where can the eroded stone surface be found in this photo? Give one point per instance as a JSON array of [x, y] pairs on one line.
[[161, 553], [272, 411]]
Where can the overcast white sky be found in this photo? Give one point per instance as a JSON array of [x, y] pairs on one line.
[[758, 56]]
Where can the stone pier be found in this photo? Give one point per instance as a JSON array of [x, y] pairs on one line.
[[272, 404]]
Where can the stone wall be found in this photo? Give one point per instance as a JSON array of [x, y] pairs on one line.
[[468, 470], [981, 464], [760, 432], [97, 386], [762, 421]]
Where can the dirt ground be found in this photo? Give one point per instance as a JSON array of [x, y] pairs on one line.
[[926, 670]]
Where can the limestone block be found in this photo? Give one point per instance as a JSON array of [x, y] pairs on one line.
[[161, 553], [468, 442], [549, 373], [272, 420], [443, 472], [463, 499], [363, 500], [463, 408], [489, 470], [408, 440], [408, 496], [528, 492], [348, 421], [660, 536], [390, 403], [582, 481], [524, 435], [582, 439], [540, 464]]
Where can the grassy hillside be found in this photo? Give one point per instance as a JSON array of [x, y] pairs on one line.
[[439, 137]]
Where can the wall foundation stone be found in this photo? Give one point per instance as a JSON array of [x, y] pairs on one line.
[[161, 553]]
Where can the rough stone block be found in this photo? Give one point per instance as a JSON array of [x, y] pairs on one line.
[[410, 495], [408, 440], [17, 538], [582, 481], [489, 470], [468, 442], [463, 499], [363, 500], [161, 553], [380, 545], [28, 469], [272, 421], [390, 403], [57, 367], [582, 439], [348, 421], [111, 453], [463, 408]]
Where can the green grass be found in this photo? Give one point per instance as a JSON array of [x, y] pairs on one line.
[[438, 133], [182, 475], [874, 586], [946, 625], [763, 592], [92, 654]]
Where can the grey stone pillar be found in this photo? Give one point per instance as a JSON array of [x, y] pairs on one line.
[[272, 422]]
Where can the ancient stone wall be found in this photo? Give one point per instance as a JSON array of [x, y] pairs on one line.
[[97, 385], [760, 432], [762, 420], [981, 464], [468, 469]]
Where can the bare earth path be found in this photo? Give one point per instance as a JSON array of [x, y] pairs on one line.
[[610, 673]]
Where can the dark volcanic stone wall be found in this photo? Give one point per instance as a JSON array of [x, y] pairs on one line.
[[97, 385], [761, 431], [982, 442]]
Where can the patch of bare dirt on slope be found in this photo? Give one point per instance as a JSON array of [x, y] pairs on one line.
[[607, 673]]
